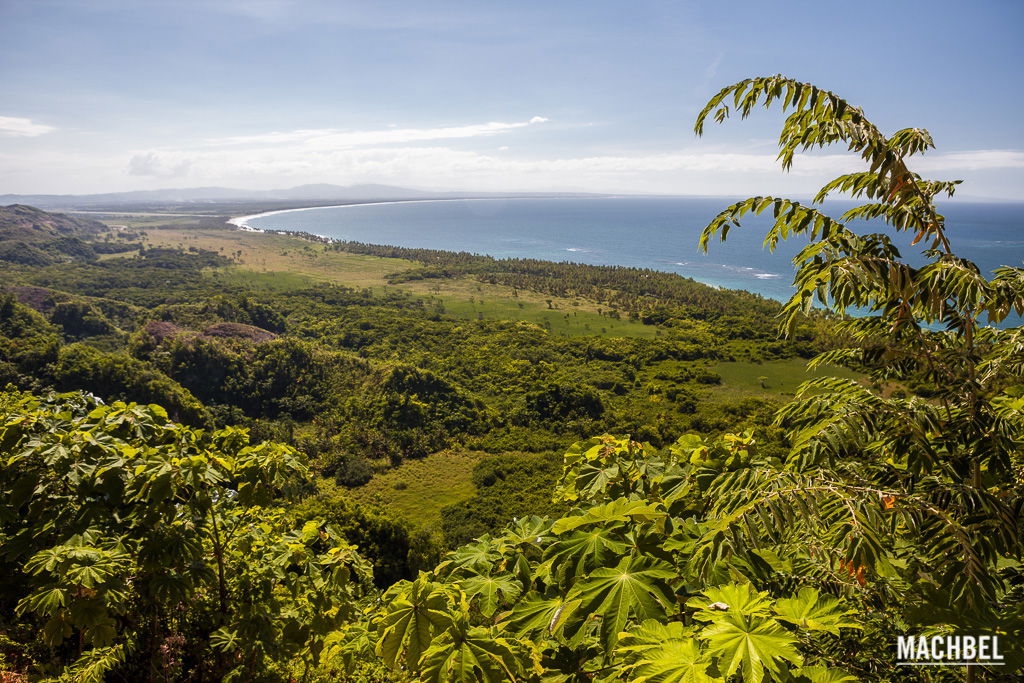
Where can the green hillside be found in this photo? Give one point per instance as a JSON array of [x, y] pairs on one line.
[[33, 237], [281, 458], [350, 354]]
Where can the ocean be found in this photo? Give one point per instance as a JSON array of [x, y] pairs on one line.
[[643, 232]]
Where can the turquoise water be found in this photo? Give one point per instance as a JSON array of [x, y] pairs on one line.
[[645, 232]]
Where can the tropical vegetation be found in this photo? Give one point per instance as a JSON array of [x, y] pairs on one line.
[[748, 542]]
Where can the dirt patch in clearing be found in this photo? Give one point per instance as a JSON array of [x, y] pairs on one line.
[[238, 331], [161, 330], [37, 298]]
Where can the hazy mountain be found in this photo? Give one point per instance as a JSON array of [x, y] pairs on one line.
[[226, 199], [356, 192], [220, 195]]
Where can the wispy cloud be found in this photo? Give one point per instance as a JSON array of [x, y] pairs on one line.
[[13, 125], [971, 160], [155, 165], [709, 78], [330, 138], [264, 10], [354, 157]]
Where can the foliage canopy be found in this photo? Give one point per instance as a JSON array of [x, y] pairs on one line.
[[895, 507]]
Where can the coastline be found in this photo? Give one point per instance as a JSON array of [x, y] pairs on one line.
[[984, 228], [735, 270], [240, 221]]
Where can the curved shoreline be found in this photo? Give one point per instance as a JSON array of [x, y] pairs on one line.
[[240, 221]]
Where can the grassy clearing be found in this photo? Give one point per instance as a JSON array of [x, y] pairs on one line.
[[419, 489], [271, 280], [265, 256], [570, 317], [282, 262], [146, 221], [771, 379]]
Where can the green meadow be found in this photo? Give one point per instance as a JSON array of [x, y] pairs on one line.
[[776, 379], [282, 262], [418, 490]]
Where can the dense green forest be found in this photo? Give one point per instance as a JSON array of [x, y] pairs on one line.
[[362, 379], [194, 420]]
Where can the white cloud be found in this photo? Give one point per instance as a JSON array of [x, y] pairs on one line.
[[311, 160], [338, 139], [971, 160], [13, 125], [465, 157], [159, 165]]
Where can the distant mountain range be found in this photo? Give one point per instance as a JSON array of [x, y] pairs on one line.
[[198, 197], [220, 200]]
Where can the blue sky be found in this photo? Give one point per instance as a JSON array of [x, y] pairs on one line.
[[112, 95]]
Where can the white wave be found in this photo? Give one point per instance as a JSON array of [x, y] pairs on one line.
[[242, 222], [749, 270]]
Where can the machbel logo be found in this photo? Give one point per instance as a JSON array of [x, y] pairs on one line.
[[948, 650]]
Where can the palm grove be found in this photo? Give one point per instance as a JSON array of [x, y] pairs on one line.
[[750, 548]]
